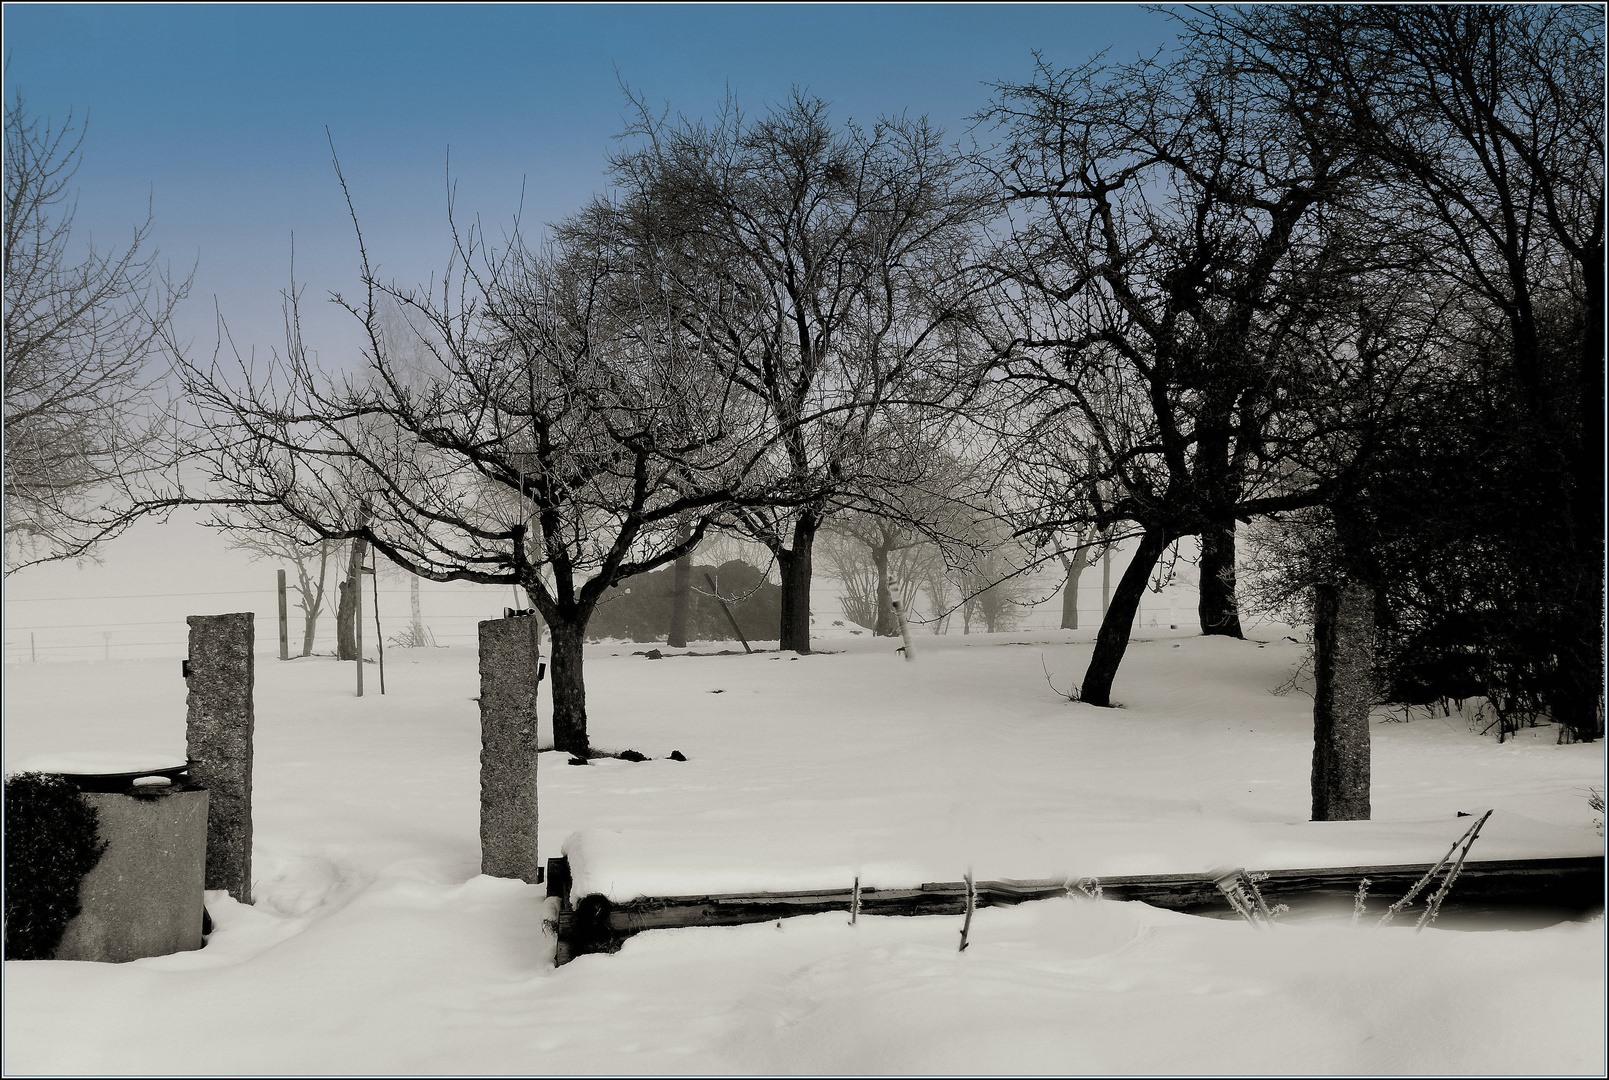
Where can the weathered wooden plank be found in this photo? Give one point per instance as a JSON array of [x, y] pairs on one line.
[[597, 924], [832, 897]]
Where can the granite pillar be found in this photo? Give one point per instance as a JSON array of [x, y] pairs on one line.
[[1343, 694], [219, 735], [509, 671]]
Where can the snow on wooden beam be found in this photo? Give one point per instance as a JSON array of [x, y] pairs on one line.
[[594, 924]]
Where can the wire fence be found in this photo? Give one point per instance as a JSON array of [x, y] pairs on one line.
[[70, 631], [122, 626]]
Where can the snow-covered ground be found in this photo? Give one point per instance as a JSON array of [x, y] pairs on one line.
[[374, 946]]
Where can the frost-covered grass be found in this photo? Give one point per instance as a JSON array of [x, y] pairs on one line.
[[374, 946]]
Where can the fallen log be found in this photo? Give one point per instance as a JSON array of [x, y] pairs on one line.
[[597, 924]]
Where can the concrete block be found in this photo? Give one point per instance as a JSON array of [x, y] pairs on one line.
[[145, 896]]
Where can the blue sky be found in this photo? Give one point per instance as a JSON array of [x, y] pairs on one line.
[[217, 114]]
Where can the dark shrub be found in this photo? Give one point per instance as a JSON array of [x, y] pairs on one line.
[[639, 609], [52, 841]]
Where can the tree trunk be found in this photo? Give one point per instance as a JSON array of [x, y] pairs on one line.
[[312, 595], [351, 595], [886, 624], [795, 566], [569, 691], [1344, 673], [309, 628], [346, 646], [530, 602], [1069, 595], [1220, 614], [681, 589], [1577, 703], [1113, 640], [418, 627], [1106, 581]]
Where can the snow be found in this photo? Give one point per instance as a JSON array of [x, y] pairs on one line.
[[858, 764], [374, 945], [96, 762], [624, 865]]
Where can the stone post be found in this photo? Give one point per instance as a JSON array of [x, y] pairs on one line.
[[508, 680], [1343, 694], [219, 735]]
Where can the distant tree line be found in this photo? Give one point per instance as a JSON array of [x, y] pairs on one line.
[[1322, 280]]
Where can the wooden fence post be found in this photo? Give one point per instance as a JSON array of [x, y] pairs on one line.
[[284, 621]]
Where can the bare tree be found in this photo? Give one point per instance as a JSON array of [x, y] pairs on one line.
[[873, 557], [940, 596], [828, 267], [81, 326], [565, 428], [1489, 124], [416, 637], [993, 583], [349, 600], [1080, 549], [311, 561], [897, 531], [1186, 267]]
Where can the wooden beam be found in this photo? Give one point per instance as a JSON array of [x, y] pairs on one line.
[[597, 924]]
